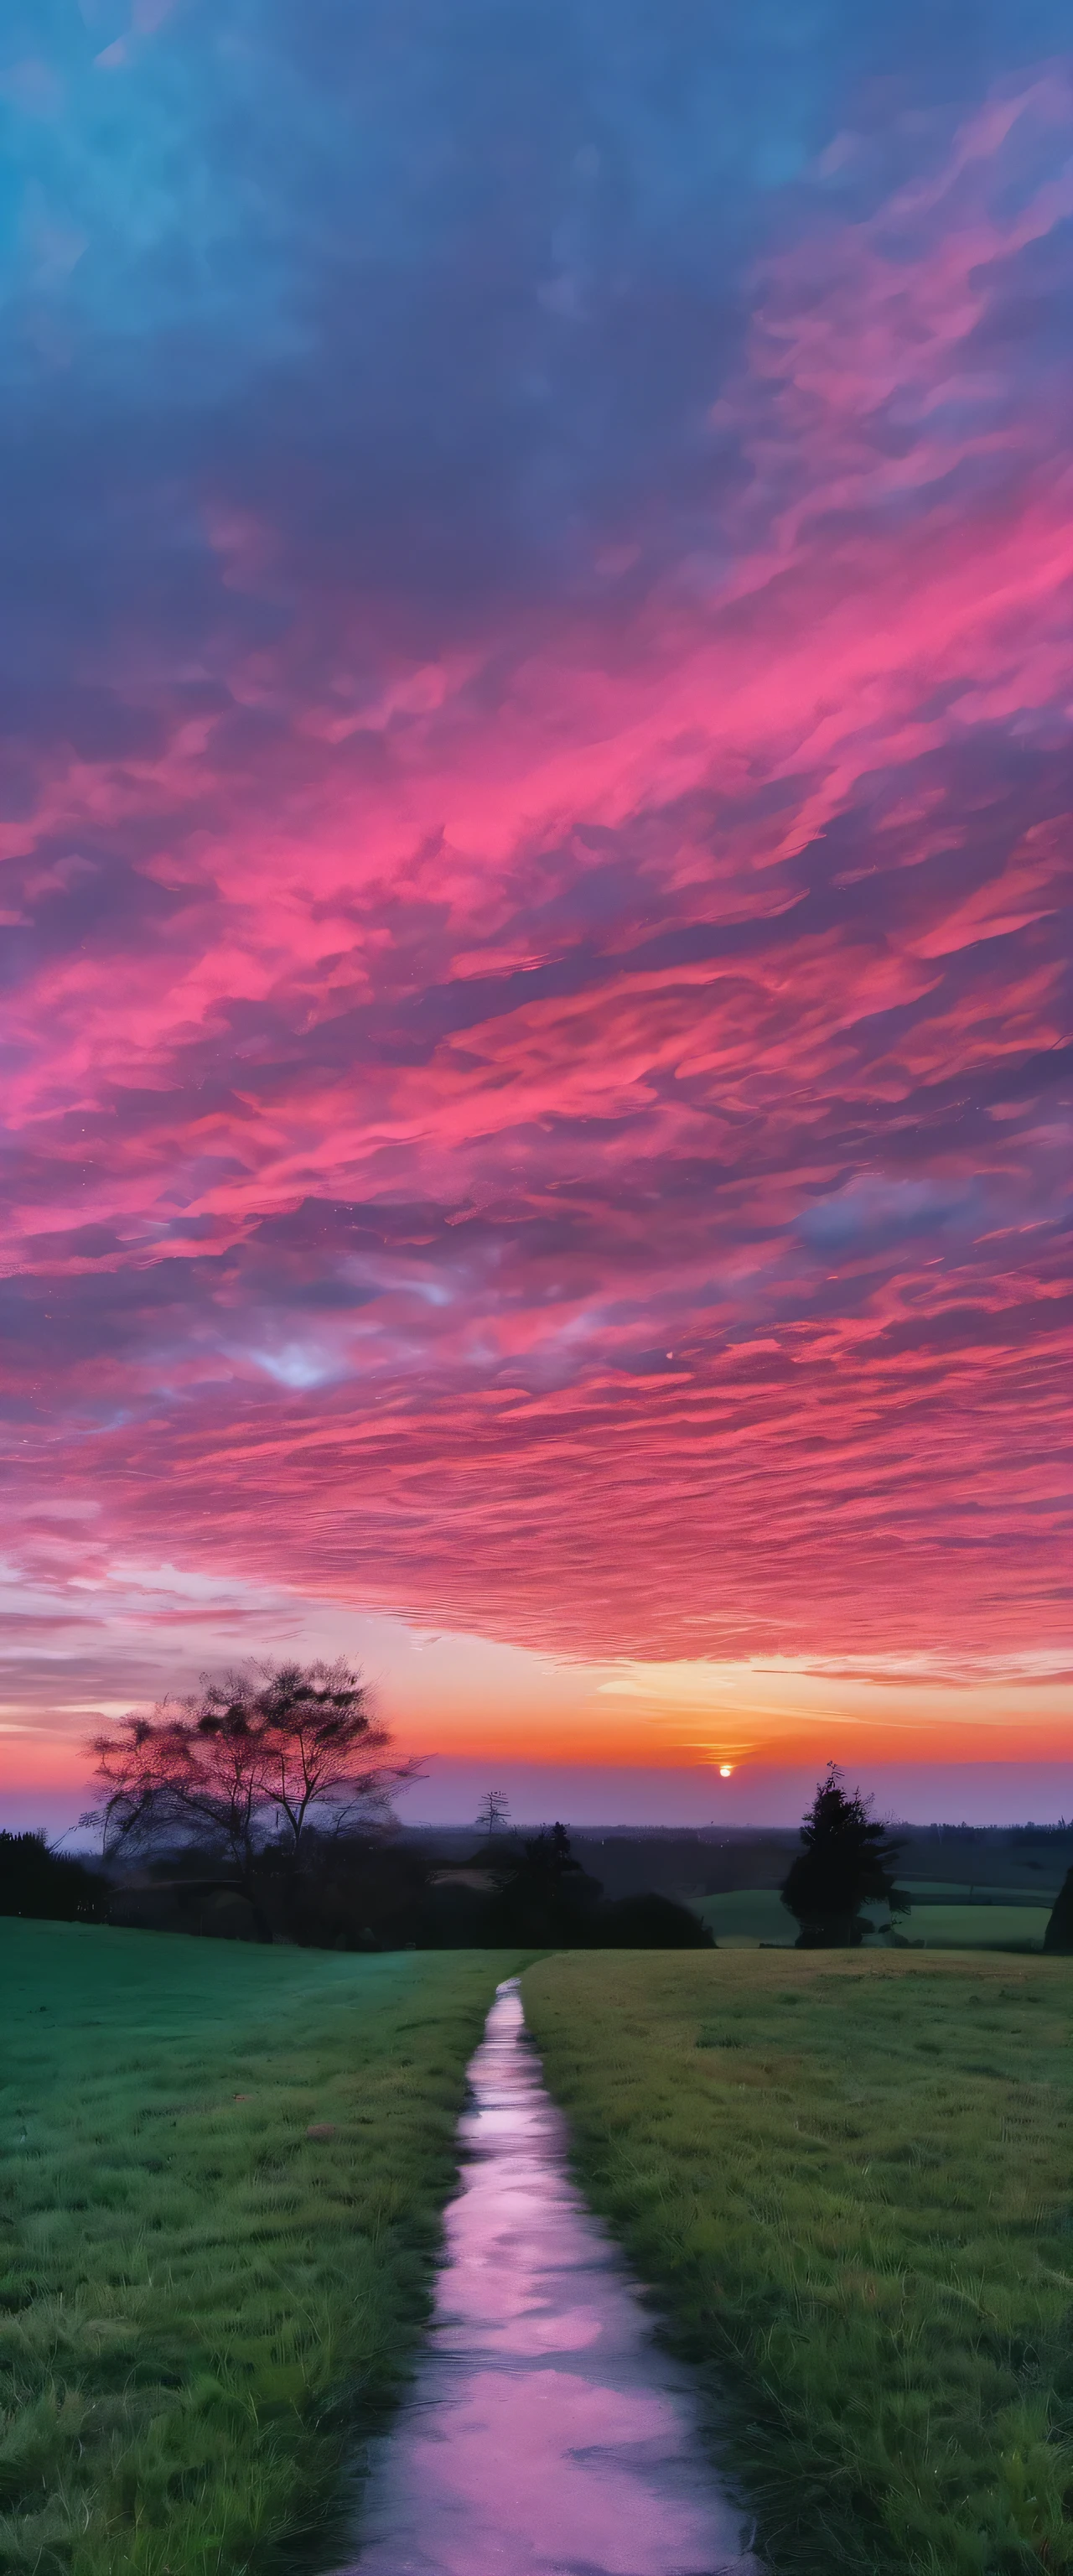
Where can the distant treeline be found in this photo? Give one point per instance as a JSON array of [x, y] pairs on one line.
[[353, 1891], [699, 1863], [260, 1807], [47, 1885], [371, 1891], [378, 1890]]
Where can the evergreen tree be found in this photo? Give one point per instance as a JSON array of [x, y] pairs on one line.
[[1058, 1937], [846, 1863]]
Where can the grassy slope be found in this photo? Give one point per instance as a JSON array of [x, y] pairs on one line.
[[851, 2181], [199, 2301]]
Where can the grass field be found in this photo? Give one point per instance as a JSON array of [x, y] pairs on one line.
[[203, 2303], [925, 1889], [976, 1927], [746, 1917], [754, 1915], [849, 2179]]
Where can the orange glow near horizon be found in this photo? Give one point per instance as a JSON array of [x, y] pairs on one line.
[[464, 1701]]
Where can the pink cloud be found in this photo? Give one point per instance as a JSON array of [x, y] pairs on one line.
[[570, 1126]]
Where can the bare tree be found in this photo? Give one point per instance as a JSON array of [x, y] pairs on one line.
[[265, 1751], [317, 1742], [495, 1812]]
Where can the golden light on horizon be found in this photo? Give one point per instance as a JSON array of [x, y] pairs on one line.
[[725, 1770]]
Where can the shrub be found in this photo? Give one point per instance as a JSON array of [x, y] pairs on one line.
[[46, 1885]]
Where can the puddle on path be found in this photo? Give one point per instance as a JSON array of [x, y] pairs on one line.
[[545, 2434]]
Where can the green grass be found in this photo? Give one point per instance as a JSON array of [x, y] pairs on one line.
[[755, 1915], [202, 2308], [849, 2179], [980, 1890], [976, 1927], [747, 1917]]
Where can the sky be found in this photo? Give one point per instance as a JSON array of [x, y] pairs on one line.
[[536, 655]]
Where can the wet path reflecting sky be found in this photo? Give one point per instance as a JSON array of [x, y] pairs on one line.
[[546, 2434]]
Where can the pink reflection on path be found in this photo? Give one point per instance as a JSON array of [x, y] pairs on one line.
[[546, 2434]]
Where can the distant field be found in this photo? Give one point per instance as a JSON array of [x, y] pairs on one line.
[[751, 1915], [974, 1927], [849, 2178], [959, 1890], [200, 2301], [755, 1915]]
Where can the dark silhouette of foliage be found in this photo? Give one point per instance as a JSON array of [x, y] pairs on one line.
[[453, 1916], [215, 1908], [549, 1856], [550, 1900], [547, 1898], [250, 1761], [48, 1885], [367, 1889], [845, 1863], [648, 1922], [358, 1892], [1058, 1937]]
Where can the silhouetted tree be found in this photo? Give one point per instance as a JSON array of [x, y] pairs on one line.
[[546, 1896], [48, 1885], [1058, 1937], [548, 1855], [494, 1813], [846, 1863], [250, 1760]]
